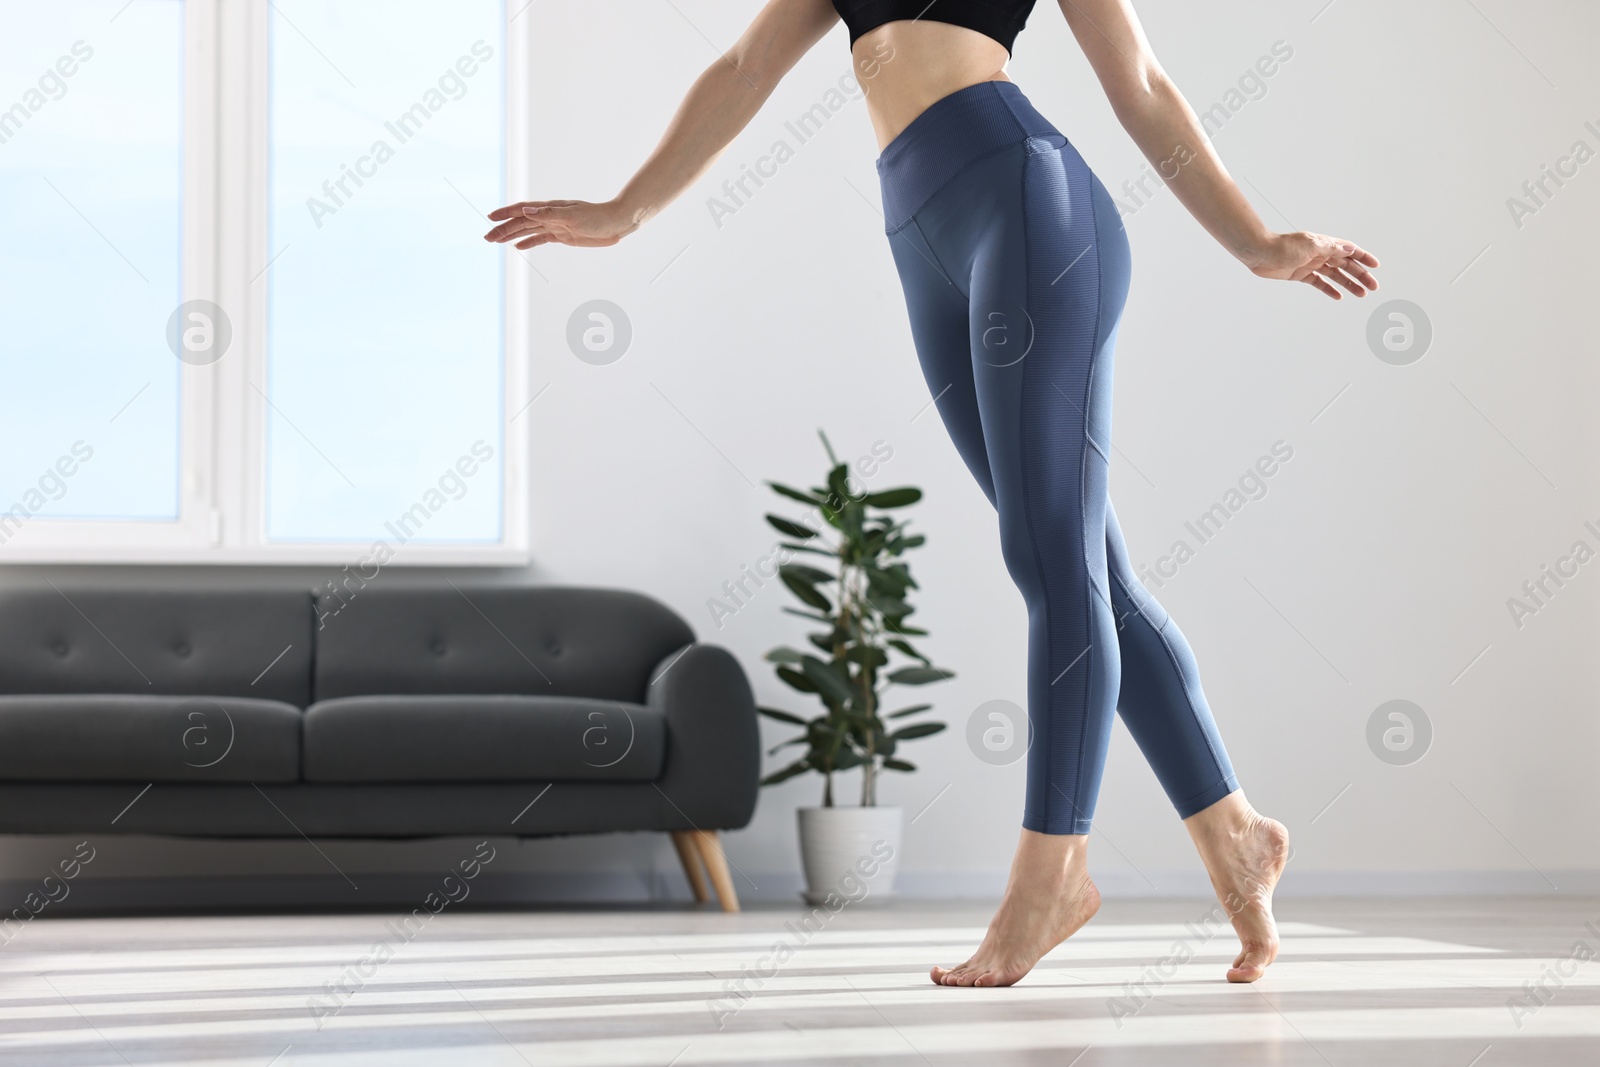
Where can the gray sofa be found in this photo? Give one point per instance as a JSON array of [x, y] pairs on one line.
[[386, 713]]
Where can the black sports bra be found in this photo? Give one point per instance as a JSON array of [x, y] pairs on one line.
[[1000, 19]]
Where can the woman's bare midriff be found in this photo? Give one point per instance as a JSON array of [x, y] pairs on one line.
[[904, 66]]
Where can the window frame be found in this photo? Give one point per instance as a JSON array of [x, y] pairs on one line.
[[222, 490]]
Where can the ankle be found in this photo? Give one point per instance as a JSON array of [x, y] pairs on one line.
[[1049, 863], [1230, 819]]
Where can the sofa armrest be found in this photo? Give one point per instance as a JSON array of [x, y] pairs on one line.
[[713, 760]]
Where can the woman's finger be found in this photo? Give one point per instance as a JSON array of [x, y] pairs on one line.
[[1334, 274], [1343, 280], [1361, 274], [548, 211], [1321, 286], [506, 229], [1362, 256], [500, 214], [514, 229]]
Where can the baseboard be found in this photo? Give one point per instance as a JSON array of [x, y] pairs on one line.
[[645, 889]]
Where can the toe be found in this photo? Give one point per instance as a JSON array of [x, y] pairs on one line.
[[1003, 976], [1251, 963], [1240, 974]]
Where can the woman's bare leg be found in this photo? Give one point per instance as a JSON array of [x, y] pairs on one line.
[[1244, 852], [1048, 897]]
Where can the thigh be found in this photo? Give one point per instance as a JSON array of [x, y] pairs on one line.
[[1043, 374], [939, 315]]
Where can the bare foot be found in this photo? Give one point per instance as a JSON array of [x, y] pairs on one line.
[[1244, 852], [1048, 897]]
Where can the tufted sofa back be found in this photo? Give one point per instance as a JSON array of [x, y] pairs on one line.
[[538, 640], [155, 641]]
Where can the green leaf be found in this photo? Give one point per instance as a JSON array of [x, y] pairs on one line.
[[912, 710], [806, 592], [904, 646], [796, 680], [901, 574], [891, 606], [787, 716], [826, 444], [809, 615], [795, 494], [850, 520], [919, 675], [784, 654], [867, 656], [921, 729], [908, 631], [808, 548], [827, 680], [791, 529], [798, 767], [839, 483], [810, 575], [893, 498], [846, 759], [898, 765], [787, 744], [888, 581]]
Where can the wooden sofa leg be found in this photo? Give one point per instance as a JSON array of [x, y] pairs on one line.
[[710, 848], [691, 864]]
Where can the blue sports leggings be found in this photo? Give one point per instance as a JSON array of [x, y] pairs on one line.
[[1015, 268]]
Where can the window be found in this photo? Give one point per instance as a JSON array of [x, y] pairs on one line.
[[91, 189], [247, 317]]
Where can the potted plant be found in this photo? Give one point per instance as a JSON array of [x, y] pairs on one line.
[[861, 649]]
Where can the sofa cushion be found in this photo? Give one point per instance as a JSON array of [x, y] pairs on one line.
[[201, 642], [535, 640], [119, 737], [472, 738]]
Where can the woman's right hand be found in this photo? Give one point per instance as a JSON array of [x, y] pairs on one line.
[[1311, 258], [569, 222]]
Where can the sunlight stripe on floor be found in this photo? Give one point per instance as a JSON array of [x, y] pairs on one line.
[[402, 967], [1324, 1029], [428, 945], [783, 992]]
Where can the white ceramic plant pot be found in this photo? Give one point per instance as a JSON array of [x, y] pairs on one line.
[[850, 854]]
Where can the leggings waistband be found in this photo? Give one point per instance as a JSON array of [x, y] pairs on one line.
[[950, 133]]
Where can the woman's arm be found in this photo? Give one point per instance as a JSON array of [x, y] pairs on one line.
[[722, 102], [1165, 128]]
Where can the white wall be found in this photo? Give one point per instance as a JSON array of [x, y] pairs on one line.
[[1377, 567]]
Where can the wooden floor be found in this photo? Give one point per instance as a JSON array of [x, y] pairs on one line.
[[1458, 983]]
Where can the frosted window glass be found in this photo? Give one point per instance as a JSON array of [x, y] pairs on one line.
[[91, 173], [384, 326]]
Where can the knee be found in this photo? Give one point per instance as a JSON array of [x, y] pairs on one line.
[[1132, 603]]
